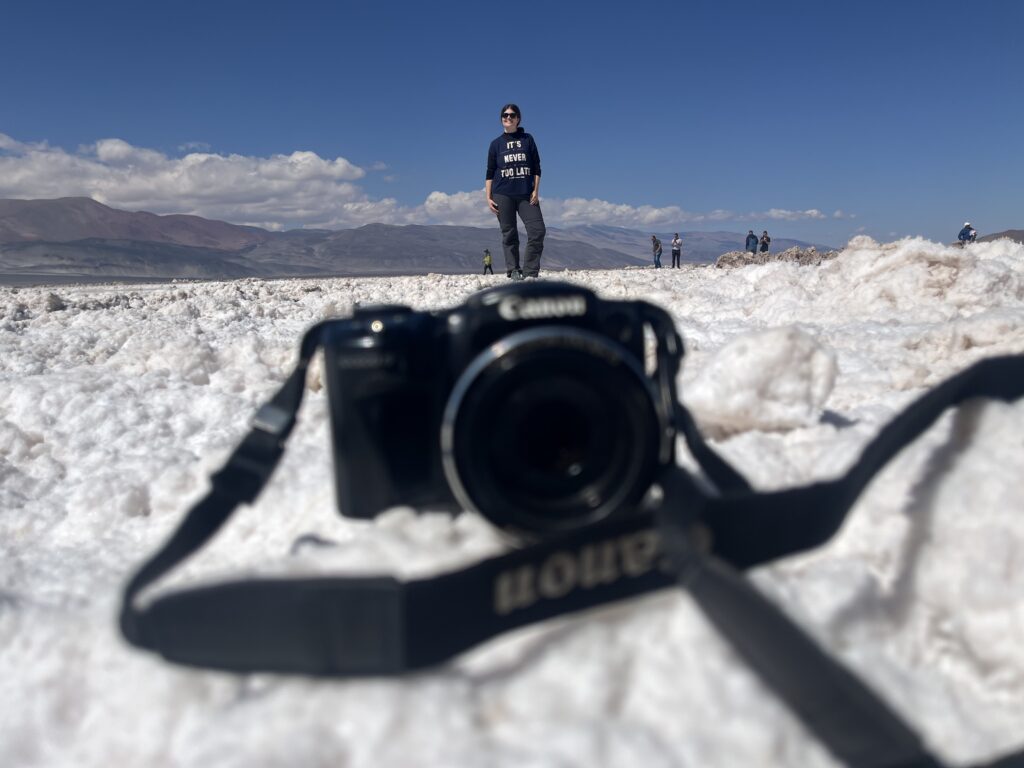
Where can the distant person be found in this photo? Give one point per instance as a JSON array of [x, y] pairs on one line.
[[656, 248], [677, 250], [512, 187], [765, 241], [751, 241], [967, 235], [487, 262]]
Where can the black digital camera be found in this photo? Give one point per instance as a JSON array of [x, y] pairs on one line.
[[538, 405]]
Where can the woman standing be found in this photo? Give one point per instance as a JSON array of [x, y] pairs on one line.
[[512, 187]]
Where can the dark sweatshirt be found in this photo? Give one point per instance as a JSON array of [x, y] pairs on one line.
[[512, 162]]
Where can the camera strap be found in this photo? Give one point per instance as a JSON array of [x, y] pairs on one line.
[[857, 726], [359, 626]]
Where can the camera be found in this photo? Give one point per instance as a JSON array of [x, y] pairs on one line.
[[539, 405]]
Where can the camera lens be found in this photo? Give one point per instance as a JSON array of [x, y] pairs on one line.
[[551, 428]]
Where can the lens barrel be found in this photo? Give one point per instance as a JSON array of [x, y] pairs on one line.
[[551, 428]]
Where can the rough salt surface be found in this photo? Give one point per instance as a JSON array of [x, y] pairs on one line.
[[116, 402]]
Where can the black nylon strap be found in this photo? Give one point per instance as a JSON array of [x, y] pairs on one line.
[[747, 529], [751, 529], [844, 714], [856, 726], [379, 625], [724, 476], [1015, 760], [240, 480], [359, 626], [306, 626], [670, 352]]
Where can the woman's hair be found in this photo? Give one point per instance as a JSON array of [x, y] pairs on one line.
[[514, 108]]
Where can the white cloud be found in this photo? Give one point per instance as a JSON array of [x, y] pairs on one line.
[[781, 214], [10, 145], [582, 211], [280, 191], [194, 146], [301, 189], [578, 210], [462, 208]]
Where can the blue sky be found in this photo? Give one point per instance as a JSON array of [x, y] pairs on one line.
[[816, 120]]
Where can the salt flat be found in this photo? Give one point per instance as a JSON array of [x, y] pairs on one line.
[[116, 402]]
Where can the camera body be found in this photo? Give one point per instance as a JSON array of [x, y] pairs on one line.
[[539, 405]]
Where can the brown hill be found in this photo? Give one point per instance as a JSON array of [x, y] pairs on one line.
[[1016, 235], [76, 239], [69, 219]]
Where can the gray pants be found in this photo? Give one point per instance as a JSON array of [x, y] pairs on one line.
[[508, 207]]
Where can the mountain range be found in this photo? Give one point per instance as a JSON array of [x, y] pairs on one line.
[[77, 239]]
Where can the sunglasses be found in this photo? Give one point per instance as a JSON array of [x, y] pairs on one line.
[[509, 115]]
